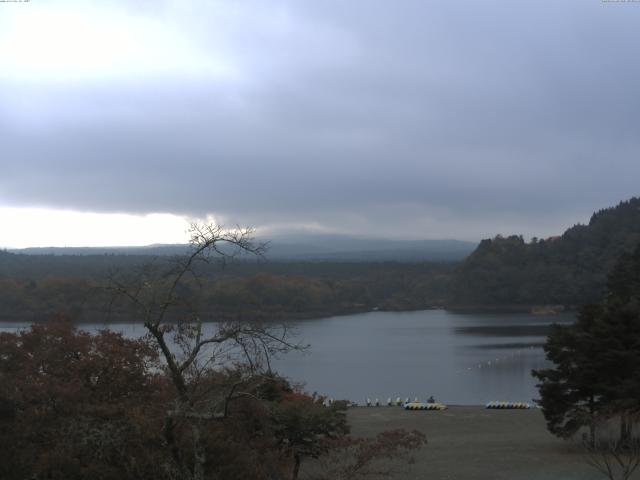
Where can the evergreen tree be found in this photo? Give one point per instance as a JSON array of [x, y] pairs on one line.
[[569, 392], [596, 361]]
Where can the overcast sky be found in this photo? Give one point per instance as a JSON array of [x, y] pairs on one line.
[[404, 119]]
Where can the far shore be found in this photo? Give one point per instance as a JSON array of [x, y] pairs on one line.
[[267, 316], [531, 309]]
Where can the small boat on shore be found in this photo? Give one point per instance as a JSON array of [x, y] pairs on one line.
[[508, 405], [424, 406]]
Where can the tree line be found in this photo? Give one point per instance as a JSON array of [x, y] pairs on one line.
[[237, 290], [568, 270]]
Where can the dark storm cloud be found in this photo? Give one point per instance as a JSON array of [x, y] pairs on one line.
[[418, 119]]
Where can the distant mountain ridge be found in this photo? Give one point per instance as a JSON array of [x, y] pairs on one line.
[[567, 270], [301, 248]]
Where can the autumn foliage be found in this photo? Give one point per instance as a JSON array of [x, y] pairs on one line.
[[75, 405]]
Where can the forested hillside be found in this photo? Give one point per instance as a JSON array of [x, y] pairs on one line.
[[33, 287], [567, 270]]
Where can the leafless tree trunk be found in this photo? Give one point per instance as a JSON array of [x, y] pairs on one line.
[[190, 350], [616, 451]]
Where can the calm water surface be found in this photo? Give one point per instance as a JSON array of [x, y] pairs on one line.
[[457, 358]]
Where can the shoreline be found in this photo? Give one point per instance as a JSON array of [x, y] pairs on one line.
[[542, 310], [530, 309]]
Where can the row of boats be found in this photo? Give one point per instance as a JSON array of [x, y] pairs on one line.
[[508, 405], [431, 404], [398, 402]]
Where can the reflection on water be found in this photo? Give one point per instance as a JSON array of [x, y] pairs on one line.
[[508, 345], [458, 358], [505, 330]]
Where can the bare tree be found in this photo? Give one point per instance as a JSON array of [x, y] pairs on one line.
[[387, 455], [196, 352], [615, 450]]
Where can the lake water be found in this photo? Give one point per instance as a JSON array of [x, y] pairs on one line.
[[457, 358]]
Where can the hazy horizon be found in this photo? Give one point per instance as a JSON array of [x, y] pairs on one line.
[[150, 228], [282, 239]]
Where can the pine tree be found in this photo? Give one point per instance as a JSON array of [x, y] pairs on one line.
[[569, 392], [596, 371]]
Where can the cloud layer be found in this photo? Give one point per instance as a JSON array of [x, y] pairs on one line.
[[413, 119]]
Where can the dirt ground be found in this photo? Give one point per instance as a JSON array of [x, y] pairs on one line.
[[480, 444]]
